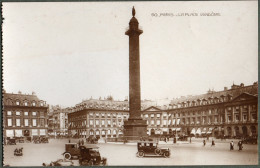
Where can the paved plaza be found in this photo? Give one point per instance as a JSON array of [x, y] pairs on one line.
[[182, 153]]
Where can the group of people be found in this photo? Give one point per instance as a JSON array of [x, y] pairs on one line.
[[18, 152], [239, 144], [212, 142]]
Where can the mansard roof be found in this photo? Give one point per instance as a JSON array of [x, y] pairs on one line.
[[233, 92]]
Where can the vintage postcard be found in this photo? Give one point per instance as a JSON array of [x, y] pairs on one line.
[[165, 83]]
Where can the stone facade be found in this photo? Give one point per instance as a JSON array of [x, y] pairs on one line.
[[24, 115]]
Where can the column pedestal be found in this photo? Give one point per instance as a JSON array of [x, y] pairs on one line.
[[135, 129]]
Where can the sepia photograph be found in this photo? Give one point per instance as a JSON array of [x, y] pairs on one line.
[[134, 83]]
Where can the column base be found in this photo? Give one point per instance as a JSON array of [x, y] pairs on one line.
[[135, 129]]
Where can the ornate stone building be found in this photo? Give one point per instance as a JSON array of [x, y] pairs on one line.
[[231, 112], [24, 115]]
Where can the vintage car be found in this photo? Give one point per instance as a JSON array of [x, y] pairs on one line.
[[60, 162], [91, 139], [151, 148], [249, 140], [44, 140], [11, 141], [71, 150], [89, 155]]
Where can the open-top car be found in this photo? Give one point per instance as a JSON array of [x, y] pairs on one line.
[[151, 148]]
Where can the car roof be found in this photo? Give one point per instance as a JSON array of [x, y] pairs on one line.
[[90, 146], [146, 142]]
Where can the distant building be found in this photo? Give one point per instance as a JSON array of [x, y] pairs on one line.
[[231, 112], [24, 115], [58, 121]]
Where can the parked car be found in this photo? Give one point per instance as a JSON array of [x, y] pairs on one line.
[[183, 138], [91, 139], [151, 148], [60, 162], [11, 141], [44, 140], [249, 140], [89, 155]]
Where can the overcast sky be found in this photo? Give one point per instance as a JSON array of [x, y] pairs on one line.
[[66, 52]]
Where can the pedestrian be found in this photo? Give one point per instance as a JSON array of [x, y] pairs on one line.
[[165, 139], [204, 142], [231, 145], [82, 142], [190, 139], [69, 140], [240, 145], [79, 142], [213, 143]]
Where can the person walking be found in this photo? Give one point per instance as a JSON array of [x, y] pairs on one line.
[[212, 143], [204, 142], [231, 145], [69, 140], [79, 142], [240, 146]]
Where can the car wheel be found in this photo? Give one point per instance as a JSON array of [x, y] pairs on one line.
[[90, 163], [166, 154], [67, 156], [157, 151], [141, 154]]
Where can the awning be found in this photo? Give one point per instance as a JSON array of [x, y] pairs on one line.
[[42, 132], [34, 132], [165, 129], [9, 133], [204, 131], [178, 129], [210, 131], [193, 131], [198, 131]]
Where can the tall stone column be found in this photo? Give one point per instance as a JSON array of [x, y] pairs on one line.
[[135, 127]]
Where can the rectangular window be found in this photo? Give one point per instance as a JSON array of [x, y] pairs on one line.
[[18, 122], [26, 113], [97, 114], [41, 114], [17, 113], [152, 115], [9, 122], [158, 122], [108, 114], [42, 122], [97, 122], [229, 118], [146, 115], [34, 122], [254, 116], [237, 117], [9, 113], [158, 115], [34, 113], [164, 122], [108, 122], [90, 122], [152, 122], [26, 122], [245, 117], [103, 122]]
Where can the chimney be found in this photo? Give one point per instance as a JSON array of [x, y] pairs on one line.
[[225, 88]]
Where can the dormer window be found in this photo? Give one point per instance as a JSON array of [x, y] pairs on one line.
[[41, 104], [17, 103], [25, 104], [33, 104]]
